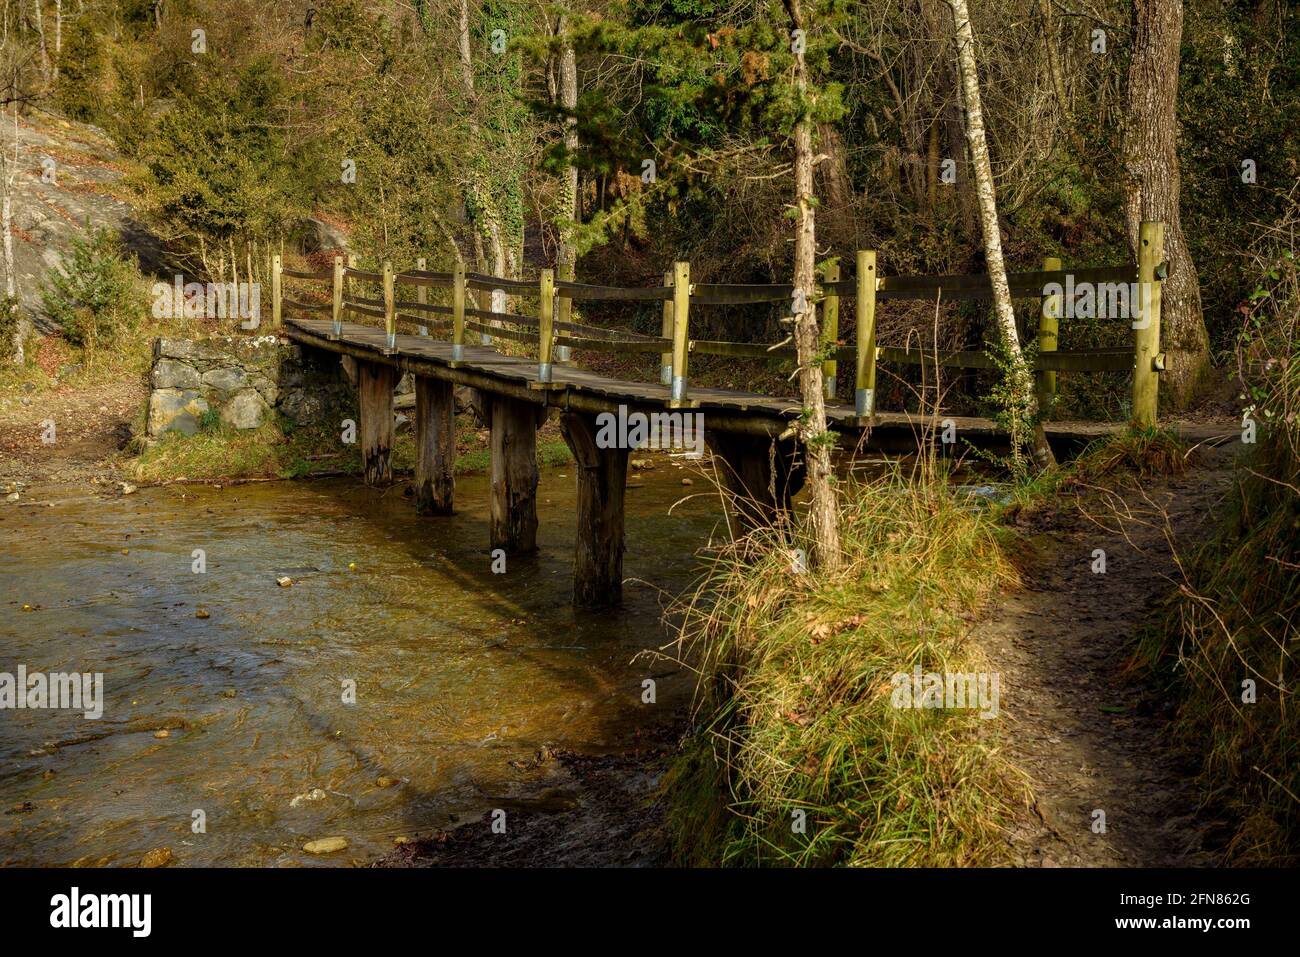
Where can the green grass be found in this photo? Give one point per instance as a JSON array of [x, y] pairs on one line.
[[1132, 453], [1234, 617], [795, 705]]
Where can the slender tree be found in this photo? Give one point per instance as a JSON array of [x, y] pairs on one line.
[[1023, 401], [817, 440]]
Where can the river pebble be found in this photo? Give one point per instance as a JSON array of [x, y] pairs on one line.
[[325, 845]]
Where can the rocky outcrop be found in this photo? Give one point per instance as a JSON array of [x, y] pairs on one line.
[[69, 182], [243, 380]]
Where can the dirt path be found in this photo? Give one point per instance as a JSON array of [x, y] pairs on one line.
[[1089, 738], [92, 423]]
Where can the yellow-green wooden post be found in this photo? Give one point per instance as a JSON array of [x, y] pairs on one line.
[[564, 309], [864, 395], [1049, 324], [276, 291], [422, 297], [337, 310], [681, 332], [347, 283], [458, 313], [545, 323], [666, 358], [830, 332], [1146, 326], [390, 308]]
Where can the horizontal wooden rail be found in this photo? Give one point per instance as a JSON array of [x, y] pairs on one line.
[[356, 306], [609, 345], [423, 307], [324, 274], [427, 320], [477, 280], [621, 335], [516, 318], [362, 274], [1117, 359], [732, 294], [421, 277], [742, 350], [577, 290], [308, 306]]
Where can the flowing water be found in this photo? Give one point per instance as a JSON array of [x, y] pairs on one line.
[[458, 671]]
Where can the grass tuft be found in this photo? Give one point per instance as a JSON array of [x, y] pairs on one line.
[[795, 714]]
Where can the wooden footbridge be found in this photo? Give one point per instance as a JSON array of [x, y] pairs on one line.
[[453, 343]]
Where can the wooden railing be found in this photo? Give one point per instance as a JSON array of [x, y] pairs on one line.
[[678, 294]]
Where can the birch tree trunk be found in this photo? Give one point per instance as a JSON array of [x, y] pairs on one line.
[[817, 441], [1154, 186], [1024, 402]]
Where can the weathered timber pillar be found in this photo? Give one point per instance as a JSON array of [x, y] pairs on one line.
[[598, 545], [375, 385], [435, 445], [514, 473], [759, 474]]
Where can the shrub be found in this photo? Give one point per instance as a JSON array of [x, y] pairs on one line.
[[96, 295]]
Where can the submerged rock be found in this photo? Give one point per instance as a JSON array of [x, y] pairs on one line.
[[315, 794], [325, 845], [158, 857]]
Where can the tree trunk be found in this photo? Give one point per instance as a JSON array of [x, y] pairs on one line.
[[817, 441], [1024, 402], [566, 259], [1153, 188], [486, 215], [40, 31], [8, 178]]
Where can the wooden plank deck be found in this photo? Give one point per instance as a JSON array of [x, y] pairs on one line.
[[724, 410]]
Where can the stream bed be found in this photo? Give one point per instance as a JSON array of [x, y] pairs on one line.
[[242, 721]]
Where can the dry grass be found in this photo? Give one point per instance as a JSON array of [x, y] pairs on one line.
[[795, 712]]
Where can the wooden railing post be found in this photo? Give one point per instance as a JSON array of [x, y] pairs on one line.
[[1049, 323], [1146, 327], [458, 313], [422, 297], [347, 284], [496, 302], [666, 358], [276, 290], [568, 272], [545, 324], [681, 333], [830, 332], [390, 309], [864, 396], [337, 310]]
